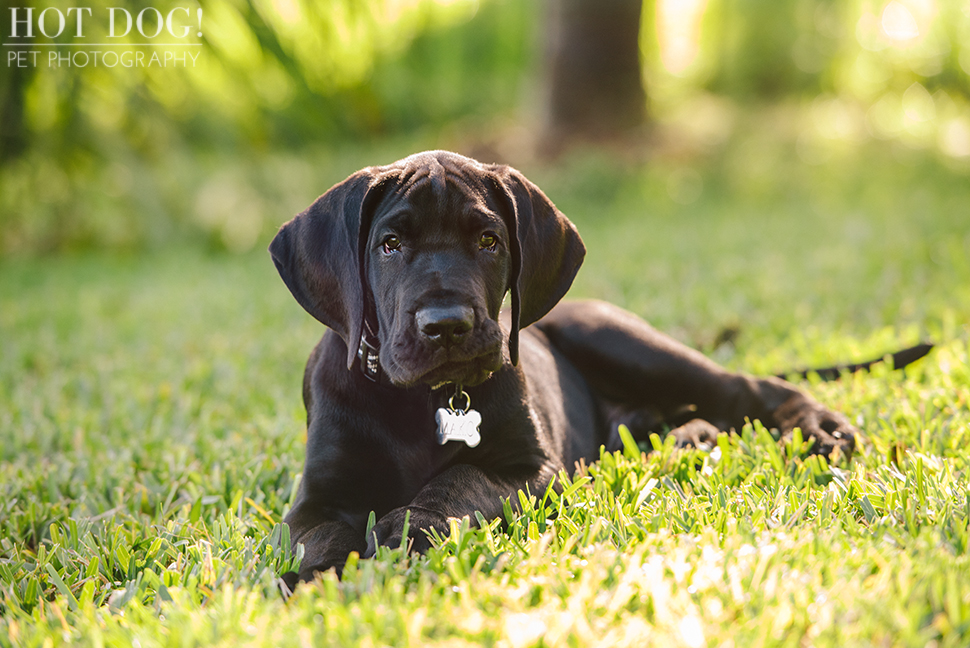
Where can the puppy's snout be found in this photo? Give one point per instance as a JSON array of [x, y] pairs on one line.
[[445, 325]]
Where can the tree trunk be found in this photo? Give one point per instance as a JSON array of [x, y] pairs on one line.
[[13, 133], [594, 89]]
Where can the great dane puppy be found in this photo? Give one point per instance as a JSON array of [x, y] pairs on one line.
[[425, 396]]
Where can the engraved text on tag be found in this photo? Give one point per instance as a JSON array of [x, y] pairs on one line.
[[458, 426]]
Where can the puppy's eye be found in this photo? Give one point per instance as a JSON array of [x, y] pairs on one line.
[[392, 244], [488, 241]]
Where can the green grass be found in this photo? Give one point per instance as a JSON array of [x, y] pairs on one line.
[[151, 433]]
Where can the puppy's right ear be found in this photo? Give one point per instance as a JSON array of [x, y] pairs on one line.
[[545, 248], [317, 255]]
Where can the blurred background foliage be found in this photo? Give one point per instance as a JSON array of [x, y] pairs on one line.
[[289, 96]]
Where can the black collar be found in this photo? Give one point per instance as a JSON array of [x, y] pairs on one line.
[[368, 356], [370, 362]]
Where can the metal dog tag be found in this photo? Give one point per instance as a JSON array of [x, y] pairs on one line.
[[454, 425], [458, 426]]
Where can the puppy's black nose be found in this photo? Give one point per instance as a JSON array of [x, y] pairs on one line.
[[445, 325]]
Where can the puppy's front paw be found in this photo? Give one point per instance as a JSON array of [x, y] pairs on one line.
[[696, 433], [389, 530], [287, 584], [827, 429]]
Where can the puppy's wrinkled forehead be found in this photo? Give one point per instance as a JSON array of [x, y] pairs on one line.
[[438, 188]]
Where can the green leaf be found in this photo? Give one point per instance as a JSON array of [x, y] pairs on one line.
[[62, 588], [630, 448]]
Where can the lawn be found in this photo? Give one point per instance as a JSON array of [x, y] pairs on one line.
[[151, 435]]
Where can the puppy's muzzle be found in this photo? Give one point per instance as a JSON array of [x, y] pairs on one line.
[[445, 326]]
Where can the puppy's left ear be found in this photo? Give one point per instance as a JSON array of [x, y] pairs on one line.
[[546, 250]]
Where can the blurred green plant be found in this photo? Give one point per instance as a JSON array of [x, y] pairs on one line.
[[115, 157], [100, 157]]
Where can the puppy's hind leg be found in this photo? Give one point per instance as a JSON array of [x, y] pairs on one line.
[[628, 362]]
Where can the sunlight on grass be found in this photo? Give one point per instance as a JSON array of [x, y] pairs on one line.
[[800, 199], [151, 438]]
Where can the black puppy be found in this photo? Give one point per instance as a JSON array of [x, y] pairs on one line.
[[408, 265]]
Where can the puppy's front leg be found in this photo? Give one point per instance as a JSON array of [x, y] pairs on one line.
[[326, 542], [458, 491]]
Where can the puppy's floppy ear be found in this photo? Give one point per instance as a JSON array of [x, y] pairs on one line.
[[318, 255], [546, 250]]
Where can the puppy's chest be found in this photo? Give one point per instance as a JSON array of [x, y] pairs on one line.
[[407, 438], [419, 465], [416, 453]]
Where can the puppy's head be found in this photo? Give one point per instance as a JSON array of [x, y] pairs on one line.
[[421, 253]]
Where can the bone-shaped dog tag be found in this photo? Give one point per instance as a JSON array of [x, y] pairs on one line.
[[458, 426]]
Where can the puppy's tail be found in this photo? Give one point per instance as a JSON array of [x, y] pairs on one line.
[[900, 360]]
